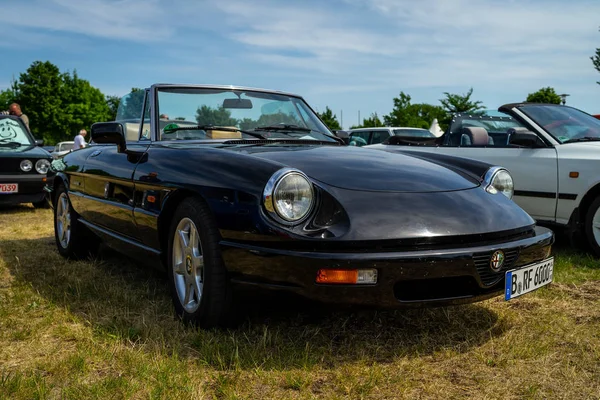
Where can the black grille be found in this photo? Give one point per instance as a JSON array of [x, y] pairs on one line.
[[482, 263]]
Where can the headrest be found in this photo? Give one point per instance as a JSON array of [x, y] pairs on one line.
[[478, 136]]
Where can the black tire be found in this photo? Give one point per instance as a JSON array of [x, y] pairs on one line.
[[79, 243], [212, 307], [593, 240]]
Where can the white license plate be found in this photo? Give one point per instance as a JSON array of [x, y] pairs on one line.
[[9, 188], [528, 278]]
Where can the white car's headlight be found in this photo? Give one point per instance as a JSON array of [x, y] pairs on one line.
[[26, 165], [288, 196], [500, 180], [42, 166]]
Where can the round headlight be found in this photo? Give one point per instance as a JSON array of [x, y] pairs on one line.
[[42, 166], [501, 181], [26, 165], [289, 196]]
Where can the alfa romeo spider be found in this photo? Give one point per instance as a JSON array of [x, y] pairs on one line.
[[226, 186]]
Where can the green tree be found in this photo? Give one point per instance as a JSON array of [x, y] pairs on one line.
[[220, 116], [460, 103], [419, 115], [372, 122], [8, 96], [330, 119], [40, 89], [544, 95], [113, 105], [82, 103], [132, 104], [58, 104]]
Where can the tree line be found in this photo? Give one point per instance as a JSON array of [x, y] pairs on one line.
[[421, 115], [57, 103]]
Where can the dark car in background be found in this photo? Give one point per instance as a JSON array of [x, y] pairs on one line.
[[227, 186], [23, 164]]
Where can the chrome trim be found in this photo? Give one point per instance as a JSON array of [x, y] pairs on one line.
[[489, 178], [271, 187]]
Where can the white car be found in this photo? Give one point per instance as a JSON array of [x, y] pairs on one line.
[[552, 152], [61, 149], [366, 136]]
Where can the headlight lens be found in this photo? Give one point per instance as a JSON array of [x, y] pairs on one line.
[[501, 181], [26, 165], [42, 166], [289, 196]]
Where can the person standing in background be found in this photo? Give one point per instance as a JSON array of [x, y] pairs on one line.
[[80, 140], [15, 109]]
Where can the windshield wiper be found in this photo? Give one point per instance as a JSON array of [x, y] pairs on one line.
[[283, 127], [10, 144], [583, 139], [293, 128], [211, 127]]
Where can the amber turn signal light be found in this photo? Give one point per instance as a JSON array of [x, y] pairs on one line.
[[347, 276]]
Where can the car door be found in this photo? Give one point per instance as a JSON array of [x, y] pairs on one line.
[[108, 182]]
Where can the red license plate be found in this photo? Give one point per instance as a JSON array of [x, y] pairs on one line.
[[9, 188]]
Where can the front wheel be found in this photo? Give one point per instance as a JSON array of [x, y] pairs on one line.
[[72, 239], [592, 226], [197, 276]]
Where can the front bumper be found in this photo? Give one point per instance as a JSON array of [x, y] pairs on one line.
[[405, 279], [31, 188]]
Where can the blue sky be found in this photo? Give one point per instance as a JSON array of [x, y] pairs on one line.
[[350, 55]]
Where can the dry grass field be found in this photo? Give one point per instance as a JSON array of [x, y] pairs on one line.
[[104, 329]]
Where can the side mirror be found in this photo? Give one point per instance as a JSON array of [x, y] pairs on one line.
[[523, 137], [39, 142], [344, 135], [109, 133]]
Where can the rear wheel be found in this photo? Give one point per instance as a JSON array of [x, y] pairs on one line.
[[592, 226], [72, 239], [197, 276]]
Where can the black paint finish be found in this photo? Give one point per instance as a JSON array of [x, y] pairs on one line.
[[413, 217]]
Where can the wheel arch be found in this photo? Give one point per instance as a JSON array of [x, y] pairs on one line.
[[586, 201]]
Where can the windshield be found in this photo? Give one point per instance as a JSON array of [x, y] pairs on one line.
[[268, 115], [424, 133], [564, 123], [12, 131]]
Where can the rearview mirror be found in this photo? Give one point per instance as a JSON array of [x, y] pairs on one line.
[[523, 137], [39, 142], [109, 133], [237, 103]]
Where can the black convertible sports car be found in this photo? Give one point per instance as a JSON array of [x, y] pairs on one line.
[[227, 186], [23, 164]]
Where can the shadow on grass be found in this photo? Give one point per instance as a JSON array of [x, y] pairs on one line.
[[7, 209], [122, 300]]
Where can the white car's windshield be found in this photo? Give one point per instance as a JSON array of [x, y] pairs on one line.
[[13, 133], [566, 124], [241, 114]]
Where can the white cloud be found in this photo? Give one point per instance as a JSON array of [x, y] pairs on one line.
[[134, 20]]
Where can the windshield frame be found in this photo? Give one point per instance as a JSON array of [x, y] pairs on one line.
[[26, 131], [523, 109], [323, 134]]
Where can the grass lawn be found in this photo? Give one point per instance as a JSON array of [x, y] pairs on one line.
[[105, 329]]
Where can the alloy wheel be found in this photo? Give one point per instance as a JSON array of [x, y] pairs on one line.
[[63, 220], [188, 265]]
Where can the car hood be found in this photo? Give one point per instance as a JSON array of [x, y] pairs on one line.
[[368, 170], [32, 151]]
